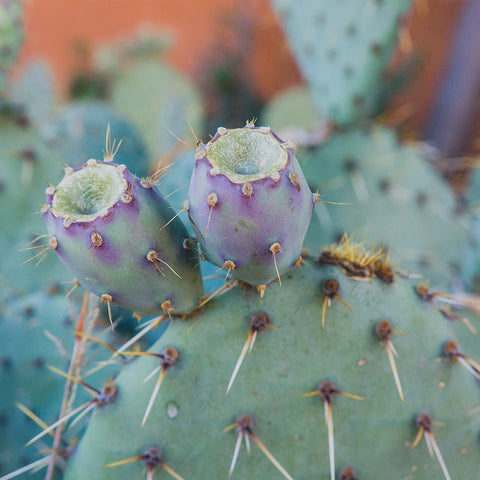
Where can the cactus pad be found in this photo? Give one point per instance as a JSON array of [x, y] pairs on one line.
[[342, 49], [392, 195], [11, 34], [157, 99], [80, 132], [293, 375]]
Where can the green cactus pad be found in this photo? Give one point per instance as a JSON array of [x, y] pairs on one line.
[[35, 91], [80, 132], [291, 109], [392, 195], [43, 324], [191, 416], [471, 259], [342, 49], [11, 34], [26, 162], [155, 97]]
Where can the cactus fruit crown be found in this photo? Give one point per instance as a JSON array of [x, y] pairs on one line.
[[249, 203], [245, 155], [83, 194]]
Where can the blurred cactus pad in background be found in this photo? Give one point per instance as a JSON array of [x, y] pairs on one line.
[[239, 239]]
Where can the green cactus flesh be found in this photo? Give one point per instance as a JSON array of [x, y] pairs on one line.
[[374, 436], [392, 195], [342, 49], [23, 373], [470, 268], [35, 91]]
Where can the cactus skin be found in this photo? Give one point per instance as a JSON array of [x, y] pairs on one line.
[[11, 34], [241, 219], [342, 49], [153, 96], [24, 374], [471, 259], [110, 254], [80, 133], [470, 265], [191, 409], [179, 176], [291, 109], [25, 163], [399, 201], [35, 91], [43, 323]]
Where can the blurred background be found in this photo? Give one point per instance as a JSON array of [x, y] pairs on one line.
[[231, 48]]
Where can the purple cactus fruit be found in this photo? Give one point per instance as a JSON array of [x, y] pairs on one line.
[[116, 233], [249, 203]]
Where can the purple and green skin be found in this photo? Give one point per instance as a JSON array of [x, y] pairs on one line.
[[249, 203], [111, 230]]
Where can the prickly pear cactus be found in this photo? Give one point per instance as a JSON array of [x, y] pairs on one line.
[[470, 266], [291, 110], [38, 319], [174, 187], [147, 43], [471, 259], [390, 194], [157, 99], [80, 133], [466, 324], [249, 203], [43, 322], [25, 164], [11, 34], [35, 91], [122, 240], [309, 401], [342, 49]]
